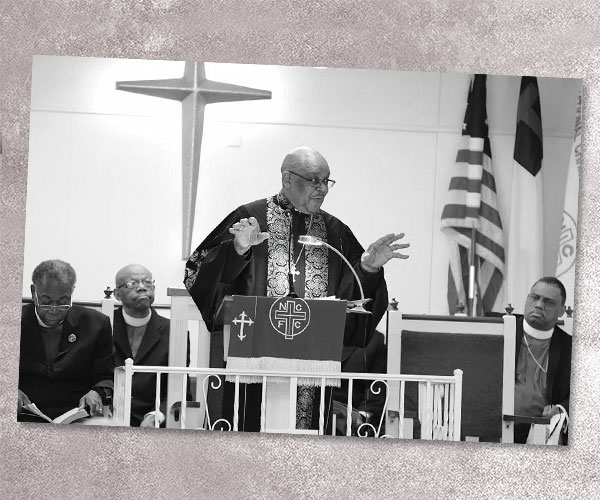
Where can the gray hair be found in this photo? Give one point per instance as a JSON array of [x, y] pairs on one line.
[[57, 270]]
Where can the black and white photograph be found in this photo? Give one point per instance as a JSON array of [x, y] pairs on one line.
[[322, 251]]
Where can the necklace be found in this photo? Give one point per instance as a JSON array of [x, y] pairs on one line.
[[529, 349], [293, 271]]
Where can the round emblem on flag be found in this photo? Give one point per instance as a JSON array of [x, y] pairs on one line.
[[289, 316], [566, 248], [72, 338]]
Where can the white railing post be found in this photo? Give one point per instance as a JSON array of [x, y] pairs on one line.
[[292, 402], [182, 415], [322, 409], [458, 374], [568, 325], [157, 402], [428, 411], [263, 405], [122, 393], [118, 395], [447, 431], [108, 307], [349, 412], [236, 404], [508, 377], [401, 431], [393, 428], [178, 346]]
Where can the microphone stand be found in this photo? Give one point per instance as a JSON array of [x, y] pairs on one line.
[[292, 293], [356, 306]]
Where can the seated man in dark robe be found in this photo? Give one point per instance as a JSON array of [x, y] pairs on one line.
[[543, 356], [66, 351], [255, 251]]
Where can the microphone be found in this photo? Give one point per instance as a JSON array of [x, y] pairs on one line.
[[356, 306], [292, 292]]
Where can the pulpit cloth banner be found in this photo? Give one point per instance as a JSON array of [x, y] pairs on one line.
[[285, 334]]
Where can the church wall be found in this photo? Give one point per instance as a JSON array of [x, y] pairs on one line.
[[104, 185]]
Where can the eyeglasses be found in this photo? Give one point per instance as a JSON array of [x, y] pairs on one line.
[[62, 308], [315, 183], [547, 302], [133, 283]]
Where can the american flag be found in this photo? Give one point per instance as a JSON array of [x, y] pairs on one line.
[[471, 207]]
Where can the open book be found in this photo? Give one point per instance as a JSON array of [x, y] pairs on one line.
[[65, 418]]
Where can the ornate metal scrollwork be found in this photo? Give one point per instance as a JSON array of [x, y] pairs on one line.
[[214, 384], [363, 430]]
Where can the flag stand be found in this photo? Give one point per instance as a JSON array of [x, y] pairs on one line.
[[471, 297]]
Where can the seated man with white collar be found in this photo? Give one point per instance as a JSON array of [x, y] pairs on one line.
[[543, 355], [141, 334], [66, 358]]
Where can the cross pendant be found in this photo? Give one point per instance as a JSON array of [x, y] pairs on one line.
[[294, 272]]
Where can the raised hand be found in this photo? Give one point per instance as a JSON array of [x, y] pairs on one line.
[[381, 251], [247, 233]]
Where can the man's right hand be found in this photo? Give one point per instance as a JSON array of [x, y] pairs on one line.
[[247, 234], [22, 401]]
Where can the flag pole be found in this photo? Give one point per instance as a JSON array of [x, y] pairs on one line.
[[471, 297]]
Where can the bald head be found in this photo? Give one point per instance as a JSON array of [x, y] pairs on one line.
[[124, 273], [137, 299], [300, 167], [302, 160]]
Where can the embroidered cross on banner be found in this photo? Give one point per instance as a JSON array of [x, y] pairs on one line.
[[242, 320]]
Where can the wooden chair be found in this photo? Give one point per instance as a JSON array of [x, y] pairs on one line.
[[436, 345]]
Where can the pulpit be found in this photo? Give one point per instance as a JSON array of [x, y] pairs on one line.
[[282, 335]]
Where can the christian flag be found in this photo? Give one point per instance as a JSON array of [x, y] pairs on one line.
[[285, 334], [526, 231], [565, 266], [472, 208]]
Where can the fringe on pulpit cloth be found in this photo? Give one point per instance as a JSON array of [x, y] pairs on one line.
[[287, 365]]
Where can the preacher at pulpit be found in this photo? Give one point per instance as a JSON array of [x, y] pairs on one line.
[[255, 251], [543, 355]]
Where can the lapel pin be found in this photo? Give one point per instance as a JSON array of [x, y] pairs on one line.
[[72, 338]]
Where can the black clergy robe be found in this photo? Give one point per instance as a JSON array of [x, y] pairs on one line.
[[215, 270]]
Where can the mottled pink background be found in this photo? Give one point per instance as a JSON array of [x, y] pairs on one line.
[[544, 38]]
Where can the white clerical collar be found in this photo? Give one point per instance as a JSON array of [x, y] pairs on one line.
[[135, 322], [42, 324], [535, 333]]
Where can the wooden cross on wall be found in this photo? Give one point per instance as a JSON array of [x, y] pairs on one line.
[[194, 92]]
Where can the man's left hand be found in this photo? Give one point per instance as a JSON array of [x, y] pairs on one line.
[[148, 421], [382, 251], [93, 401], [550, 411]]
